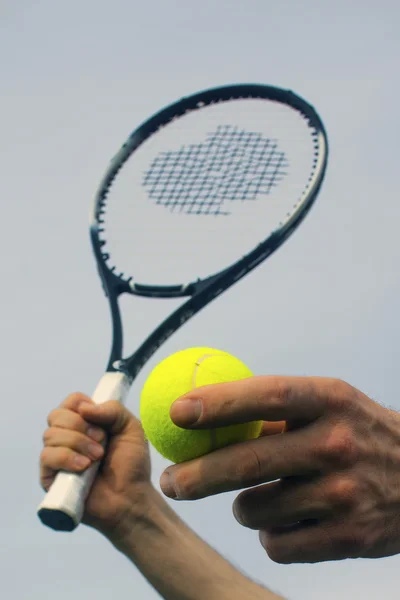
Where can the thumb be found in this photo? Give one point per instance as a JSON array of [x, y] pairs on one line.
[[113, 416]]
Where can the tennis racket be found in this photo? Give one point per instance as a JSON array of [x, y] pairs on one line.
[[198, 196]]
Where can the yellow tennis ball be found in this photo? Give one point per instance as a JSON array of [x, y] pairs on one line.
[[174, 377]]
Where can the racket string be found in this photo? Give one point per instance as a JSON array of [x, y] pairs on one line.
[[232, 164]]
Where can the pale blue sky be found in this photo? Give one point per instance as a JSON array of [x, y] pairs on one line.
[[77, 77]]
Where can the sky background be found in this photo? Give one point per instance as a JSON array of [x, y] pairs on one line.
[[77, 77]]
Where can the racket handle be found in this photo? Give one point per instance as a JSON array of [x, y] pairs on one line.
[[63, 506]]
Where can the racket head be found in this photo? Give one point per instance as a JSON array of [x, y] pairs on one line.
[[203, 173]]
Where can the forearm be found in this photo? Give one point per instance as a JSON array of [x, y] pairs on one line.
[[177, 563]]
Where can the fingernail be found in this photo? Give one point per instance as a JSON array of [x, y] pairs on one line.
[[167, 485], [81, 461], [186, 412], [95, 450], [95, 433]]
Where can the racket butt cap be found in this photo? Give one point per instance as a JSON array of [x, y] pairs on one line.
[[56, 519]]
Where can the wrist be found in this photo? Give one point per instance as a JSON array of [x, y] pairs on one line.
[[131, 518], [163, 548]]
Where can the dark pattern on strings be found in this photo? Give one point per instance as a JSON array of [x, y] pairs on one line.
[[232, 165]]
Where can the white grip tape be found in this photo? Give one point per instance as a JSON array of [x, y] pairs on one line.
[[69, 491]]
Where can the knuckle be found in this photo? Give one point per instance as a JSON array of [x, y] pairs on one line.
[[79, 442], [52, 416], [64, 456], [119, 413], [282, 391], [343, 492], [73, 400], [44, 457], [74, 422], [279, 553], [77, 423], [213, 409], [185, 485], [339, 447], [47, 435], [341, 396], [246, 467], [241, 511]]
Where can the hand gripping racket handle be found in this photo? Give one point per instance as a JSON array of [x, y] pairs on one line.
[[63, 506]]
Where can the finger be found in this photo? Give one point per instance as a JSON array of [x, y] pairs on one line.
[[266, 398], [74, 440], [112, 415], [243, 465], [65, 418], [292, 500], [53, 460], [313, 542]]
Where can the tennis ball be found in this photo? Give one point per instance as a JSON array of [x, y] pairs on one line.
[[174, 377]]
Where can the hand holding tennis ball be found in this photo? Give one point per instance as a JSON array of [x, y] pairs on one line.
[[176, 376]]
